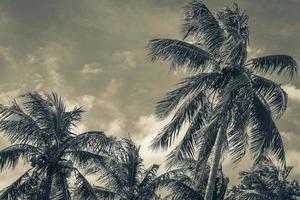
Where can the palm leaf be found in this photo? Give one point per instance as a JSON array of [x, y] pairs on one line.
[[84, 190], [21, 186], [186, 87], [280, 64], [180, 54], [186, 147], [275, 97], [103, 193], [199, 22], [265, 136], [21, 127], [10, 156]]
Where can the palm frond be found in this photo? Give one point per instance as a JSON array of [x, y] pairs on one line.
[[184, 114], [103, 193], [200, 23], [88, 161], [239, 116], [38, 108], [21, 127], [61, 187], [21, 186], [84, 190], [280, 64], [186, 147], [275, 97], [72, 117], [95, 141], [186, 87], [265, 136], [10, 156], [180, 54], [149, 175]]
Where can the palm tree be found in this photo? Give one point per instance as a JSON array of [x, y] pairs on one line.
[[190, 185], [40, 130], [265, 181], [224, 95], [125, 177]]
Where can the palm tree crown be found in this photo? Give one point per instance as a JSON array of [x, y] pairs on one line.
[[124, 175], [225, 91], [40, 130], [265, 181]]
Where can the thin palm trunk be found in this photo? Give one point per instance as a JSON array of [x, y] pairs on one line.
[[214, 167]]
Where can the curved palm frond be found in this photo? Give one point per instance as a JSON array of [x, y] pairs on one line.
[[21, 186], [265, 136], [84, 189], [186, 147], [181, 54], [61, 187], [10, 156], [39, 109], [199, 22], [275, 97], [239, 116], [86, 160], [186, 87], [280, 64], [185, 113], [95, 141], [149, 175], [21, 127]]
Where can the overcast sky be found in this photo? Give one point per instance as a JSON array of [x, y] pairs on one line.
[[92, 52]]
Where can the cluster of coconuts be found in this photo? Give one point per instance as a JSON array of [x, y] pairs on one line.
[[66, 167]]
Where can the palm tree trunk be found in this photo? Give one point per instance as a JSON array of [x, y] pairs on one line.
[[214, 167]]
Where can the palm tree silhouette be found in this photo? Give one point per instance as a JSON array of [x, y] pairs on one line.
[[265, 181], [224, 95], [40, 130]]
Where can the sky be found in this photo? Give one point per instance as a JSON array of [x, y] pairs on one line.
[[93, 54]]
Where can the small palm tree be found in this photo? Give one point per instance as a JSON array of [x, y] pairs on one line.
[[190, 185], [40, 130], [225, 95], [125, 177], [265, 181]]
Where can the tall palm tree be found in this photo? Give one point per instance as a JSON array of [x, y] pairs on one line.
[[224, 95], [190, 185], [125, 177], [265, 181], [40, 130]]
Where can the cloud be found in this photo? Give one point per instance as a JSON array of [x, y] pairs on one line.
[[292, 91], [127, 58], [91, 68], [254, 52], [148, 127]]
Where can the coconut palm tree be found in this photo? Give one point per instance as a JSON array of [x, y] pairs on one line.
[[190, 185], [224, 95], [265, 181], [40, 130], [125, 177]]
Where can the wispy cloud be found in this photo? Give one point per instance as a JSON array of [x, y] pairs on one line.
[[292, 91], [91, 68]]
